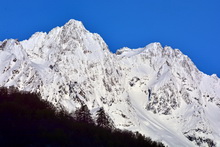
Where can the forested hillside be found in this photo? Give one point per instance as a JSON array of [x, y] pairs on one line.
[[27, 120]]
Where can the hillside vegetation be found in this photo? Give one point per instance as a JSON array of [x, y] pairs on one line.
[[27, 120]]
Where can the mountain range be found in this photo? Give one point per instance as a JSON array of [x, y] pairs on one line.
[[156, 91]]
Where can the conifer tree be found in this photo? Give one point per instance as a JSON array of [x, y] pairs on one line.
[[103, 120], [83, 115]]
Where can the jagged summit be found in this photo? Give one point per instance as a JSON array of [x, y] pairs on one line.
[[155, 90], [74, 24]]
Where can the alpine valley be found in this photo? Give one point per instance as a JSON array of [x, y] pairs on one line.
[[154, 90]]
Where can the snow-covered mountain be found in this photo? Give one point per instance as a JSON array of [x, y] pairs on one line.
[[154, 90]]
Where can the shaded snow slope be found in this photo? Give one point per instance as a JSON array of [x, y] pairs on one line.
[[154, 90]]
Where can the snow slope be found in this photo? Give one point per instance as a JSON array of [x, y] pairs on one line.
[[154, 90]]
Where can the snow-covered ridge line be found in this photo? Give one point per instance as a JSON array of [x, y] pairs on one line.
[[155, 90]]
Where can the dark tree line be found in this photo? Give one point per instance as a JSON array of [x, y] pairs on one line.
[[27, 120], [103, 120]]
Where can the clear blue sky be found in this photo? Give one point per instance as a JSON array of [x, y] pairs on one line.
[[193, 26]]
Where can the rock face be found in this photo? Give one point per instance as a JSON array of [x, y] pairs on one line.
[[154, 90]]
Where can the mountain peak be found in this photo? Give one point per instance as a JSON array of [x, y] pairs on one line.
[[73, 21], [74, 24]]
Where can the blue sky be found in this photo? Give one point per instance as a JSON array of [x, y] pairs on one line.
[[193, 26]]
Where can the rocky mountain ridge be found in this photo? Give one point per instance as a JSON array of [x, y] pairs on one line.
[[154, 90]]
